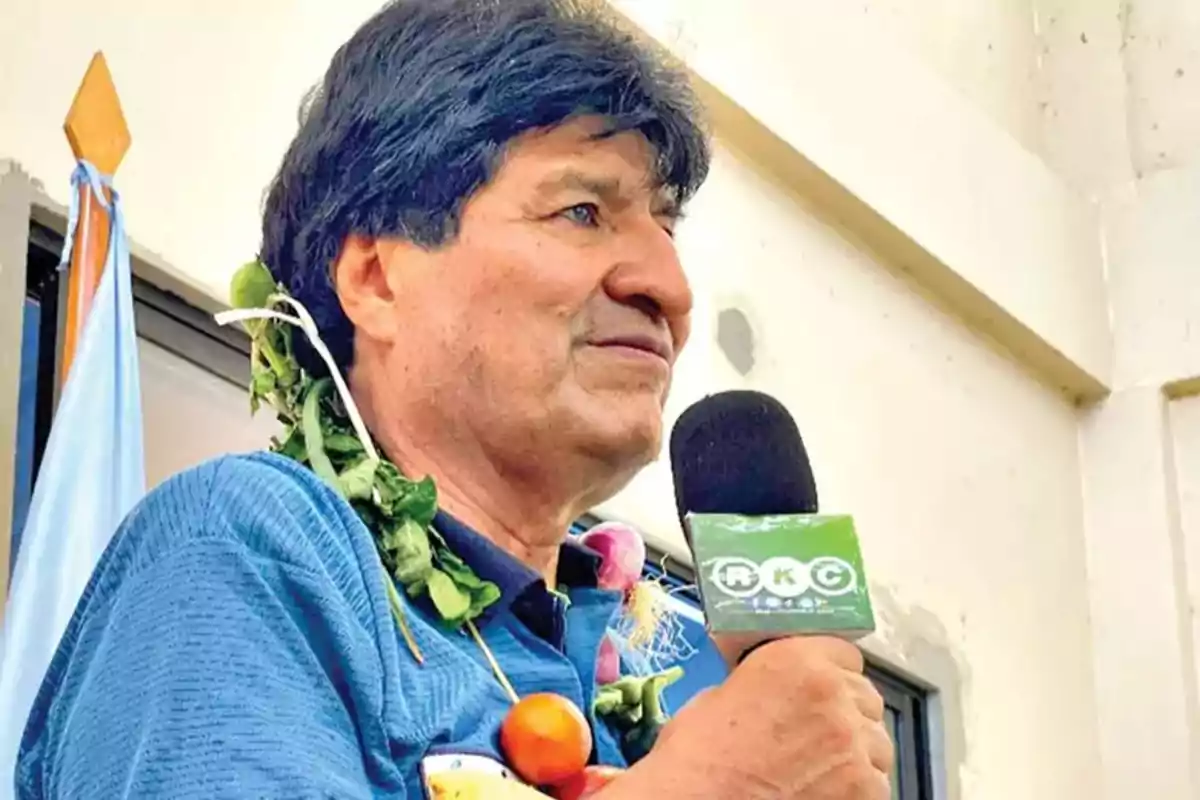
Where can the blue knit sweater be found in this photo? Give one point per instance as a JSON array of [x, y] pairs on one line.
[[236, 641]]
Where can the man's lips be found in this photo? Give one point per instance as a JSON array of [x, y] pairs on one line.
[[644, 342]]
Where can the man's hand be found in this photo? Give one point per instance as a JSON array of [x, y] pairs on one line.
[[797, 720]]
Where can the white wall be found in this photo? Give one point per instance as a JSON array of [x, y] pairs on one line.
[[1153, 235], [210, 93], [1163, 64], [1142, 630], [1184, 421], [986, 50], [1143, 500]]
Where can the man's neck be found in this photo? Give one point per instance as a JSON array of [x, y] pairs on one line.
[[508, 511], [536, 547]]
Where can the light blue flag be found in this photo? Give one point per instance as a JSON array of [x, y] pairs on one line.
[[91, 476]]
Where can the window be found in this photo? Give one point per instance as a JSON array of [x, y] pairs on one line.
[[906, 705], [192, 370], [905, 711]]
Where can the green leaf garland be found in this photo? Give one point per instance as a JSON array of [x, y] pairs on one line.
[[318, 433]]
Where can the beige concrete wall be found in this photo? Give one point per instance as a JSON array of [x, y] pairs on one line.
[[987, 50], [1145, 504], [1143, 646], [1163, 63], [1153, 240], [210, 90], [1184, 426]]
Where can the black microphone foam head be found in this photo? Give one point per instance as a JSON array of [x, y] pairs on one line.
[[740, 452]]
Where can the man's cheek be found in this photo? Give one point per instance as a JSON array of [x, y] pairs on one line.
[[530, 366]]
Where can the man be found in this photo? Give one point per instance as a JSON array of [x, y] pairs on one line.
[[478, 211]]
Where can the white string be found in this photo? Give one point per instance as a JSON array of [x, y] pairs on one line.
[[243, 314], [85, 172], [304, 321]]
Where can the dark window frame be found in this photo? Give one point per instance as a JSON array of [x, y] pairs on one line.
[[160, 316], [911, 706]]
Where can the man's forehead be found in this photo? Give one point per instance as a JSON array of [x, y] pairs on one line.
[[583, 155]]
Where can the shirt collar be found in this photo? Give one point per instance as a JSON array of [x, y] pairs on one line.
[[578, 567]]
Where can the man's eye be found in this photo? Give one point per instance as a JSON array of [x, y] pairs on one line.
[[587, 214]]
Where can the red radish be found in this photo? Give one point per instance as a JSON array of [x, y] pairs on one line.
[[608, 662], [586, 783], [622, 551]]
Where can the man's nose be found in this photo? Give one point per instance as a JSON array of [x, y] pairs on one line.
[[650, 277]]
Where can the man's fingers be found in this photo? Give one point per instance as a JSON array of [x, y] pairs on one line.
[[866, 697], [882, 790], [880, 749], [841, 652]]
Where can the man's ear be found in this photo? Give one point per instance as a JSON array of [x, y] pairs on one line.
[[361, 281]]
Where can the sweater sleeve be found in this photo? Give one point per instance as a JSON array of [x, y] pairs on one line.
[[213, 664]]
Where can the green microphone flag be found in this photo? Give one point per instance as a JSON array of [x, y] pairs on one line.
[[794, 574]]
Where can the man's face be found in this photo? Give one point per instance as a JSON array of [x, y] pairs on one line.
[[550, 325]]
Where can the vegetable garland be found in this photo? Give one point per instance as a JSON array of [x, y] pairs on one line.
[[318, 434]]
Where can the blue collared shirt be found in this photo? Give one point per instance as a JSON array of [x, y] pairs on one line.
[[523, 592], [236, 641]]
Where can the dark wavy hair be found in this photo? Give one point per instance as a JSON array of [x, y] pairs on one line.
[[416, 109]]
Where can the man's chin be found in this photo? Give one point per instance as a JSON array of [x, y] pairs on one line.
[[615, 453], [623, 430], [629, 449]]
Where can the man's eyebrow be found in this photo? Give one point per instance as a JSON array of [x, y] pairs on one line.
[[665, 203], [574, 179]]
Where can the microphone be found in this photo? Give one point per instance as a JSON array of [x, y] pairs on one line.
[[768, 565]]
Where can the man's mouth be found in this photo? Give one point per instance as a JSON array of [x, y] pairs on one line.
[[640, 343]]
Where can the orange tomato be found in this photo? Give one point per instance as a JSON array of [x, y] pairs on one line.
[[546, 739], [584, 784]]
